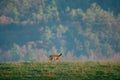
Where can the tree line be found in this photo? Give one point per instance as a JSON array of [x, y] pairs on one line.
[[32, 30]]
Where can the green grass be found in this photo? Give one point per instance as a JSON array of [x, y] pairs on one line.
[[60, 71]]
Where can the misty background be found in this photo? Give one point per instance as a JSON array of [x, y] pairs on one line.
[[83, 30]]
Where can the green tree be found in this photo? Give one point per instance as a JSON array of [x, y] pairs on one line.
[[47, 35], [16, 53], [30, 55], [76, 14], [60, 30]]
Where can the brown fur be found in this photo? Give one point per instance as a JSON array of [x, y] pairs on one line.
[[55, 57]]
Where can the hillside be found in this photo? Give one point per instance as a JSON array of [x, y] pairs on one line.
[[31, 30], [60, 71]]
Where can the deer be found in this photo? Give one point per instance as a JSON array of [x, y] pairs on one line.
[[55, 57]]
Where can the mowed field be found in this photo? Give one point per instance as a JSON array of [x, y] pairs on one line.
[[60, 71]]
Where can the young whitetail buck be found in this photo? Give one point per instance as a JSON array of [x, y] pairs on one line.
[[55, 57]]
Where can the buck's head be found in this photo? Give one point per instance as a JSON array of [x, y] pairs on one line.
[[60, 54]]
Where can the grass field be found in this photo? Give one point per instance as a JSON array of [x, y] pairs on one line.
[[60, 71]]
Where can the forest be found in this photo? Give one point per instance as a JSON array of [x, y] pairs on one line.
[[31, 30]]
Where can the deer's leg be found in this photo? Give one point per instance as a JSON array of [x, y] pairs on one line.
[[50, 59]]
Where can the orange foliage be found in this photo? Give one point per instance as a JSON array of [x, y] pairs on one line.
[[5, 19]]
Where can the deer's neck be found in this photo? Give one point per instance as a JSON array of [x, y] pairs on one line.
[[60, 54]]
